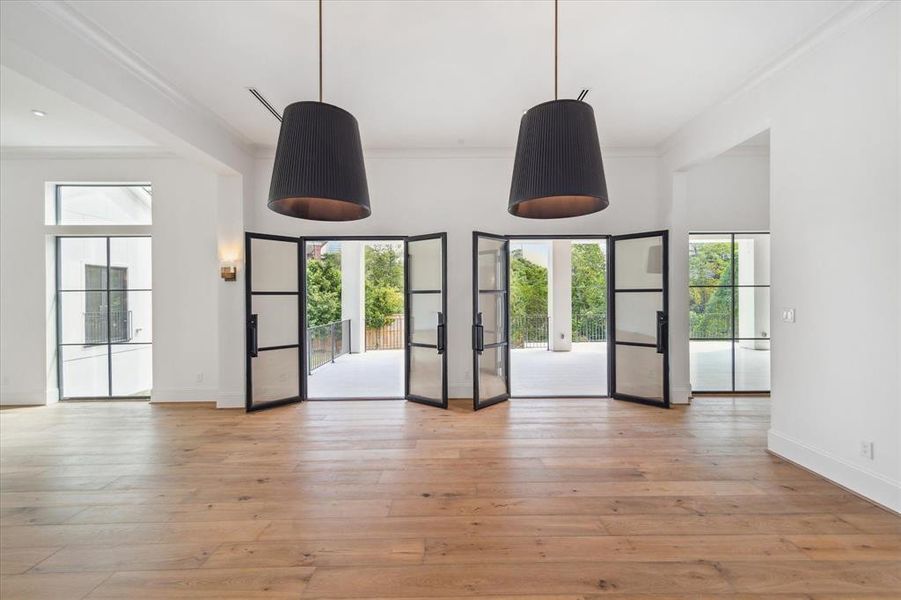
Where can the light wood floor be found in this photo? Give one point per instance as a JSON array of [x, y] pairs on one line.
[[542, 499]]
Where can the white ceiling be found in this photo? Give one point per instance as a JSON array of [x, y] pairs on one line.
[[65, 124], [451, 73]]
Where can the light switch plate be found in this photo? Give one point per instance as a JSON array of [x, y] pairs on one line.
[[788, 315]]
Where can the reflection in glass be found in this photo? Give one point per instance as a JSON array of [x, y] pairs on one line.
[[274, 266], [426, 373], [492, 373], [492, 264], [639, 263], [424, 309], [424, 264], [493, 306], [639, 372], [276, 320], [636, 316], [276, 375]]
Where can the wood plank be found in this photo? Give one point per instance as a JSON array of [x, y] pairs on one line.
[[678, 548], [50, 586], [225, 584], [126, 557], [16, 561], [550, 499], [318, 553], [476, 579]]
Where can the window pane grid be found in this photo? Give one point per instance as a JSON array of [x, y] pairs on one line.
[[727, 306], [103, 321]]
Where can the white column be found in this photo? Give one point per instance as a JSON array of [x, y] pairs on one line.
[[353, 292], [560, 296]]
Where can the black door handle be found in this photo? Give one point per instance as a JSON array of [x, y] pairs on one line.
[[661, 332], [442, 333], [253, 341], [478, 335]]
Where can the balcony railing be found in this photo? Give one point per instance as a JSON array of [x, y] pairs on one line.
[[529, 331], [387, 337], [327, 342], [96, 324], [589, 327]]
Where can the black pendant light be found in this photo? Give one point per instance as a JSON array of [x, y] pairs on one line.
[[558, 171], [319, 172]]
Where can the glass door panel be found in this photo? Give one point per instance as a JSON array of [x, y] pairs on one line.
[[273, 288], [426, 314], [639, 362], [490, 327]]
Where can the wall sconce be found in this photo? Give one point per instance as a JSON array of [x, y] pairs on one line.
[[228, 272]]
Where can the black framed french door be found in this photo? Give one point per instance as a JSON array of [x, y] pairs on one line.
[[274, 320], [491, 319], [638, 288], [425, 289]]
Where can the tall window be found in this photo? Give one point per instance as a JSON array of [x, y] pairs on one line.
[[104, 293], [729, 312]]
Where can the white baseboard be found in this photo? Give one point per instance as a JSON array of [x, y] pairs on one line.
[[24, 398], [230, 400], [869, 484], [680, 394], [184, 395]]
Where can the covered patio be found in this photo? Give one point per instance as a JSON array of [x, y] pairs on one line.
[[541, 372], [371, 374]]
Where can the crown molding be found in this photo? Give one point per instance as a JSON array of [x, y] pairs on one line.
[[451, 152], [852, 13], [65, 12], [83, 152]]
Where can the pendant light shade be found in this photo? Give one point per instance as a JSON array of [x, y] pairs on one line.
[[558, 171], [319, 172]]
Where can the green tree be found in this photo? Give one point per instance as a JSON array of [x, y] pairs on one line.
[[710, 306], [384, 285], [528, 294], [589, 286], [324, 289]]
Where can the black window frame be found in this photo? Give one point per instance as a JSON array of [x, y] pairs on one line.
[[735, 286], [59, 291]]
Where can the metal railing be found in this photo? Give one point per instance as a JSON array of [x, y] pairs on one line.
[[714, 325], [387, 337], [96, 323], [589, 327], [327, 342], [529, 331]]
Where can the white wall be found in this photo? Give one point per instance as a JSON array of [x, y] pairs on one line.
[[833, 116], [196, 216], [730, 192], [424, 192]]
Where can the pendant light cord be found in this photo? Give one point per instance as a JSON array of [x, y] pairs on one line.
[[320, 50], [556, 2]]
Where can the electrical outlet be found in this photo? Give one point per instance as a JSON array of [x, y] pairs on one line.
[[199, 377], [866, 450], [788, 315]]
